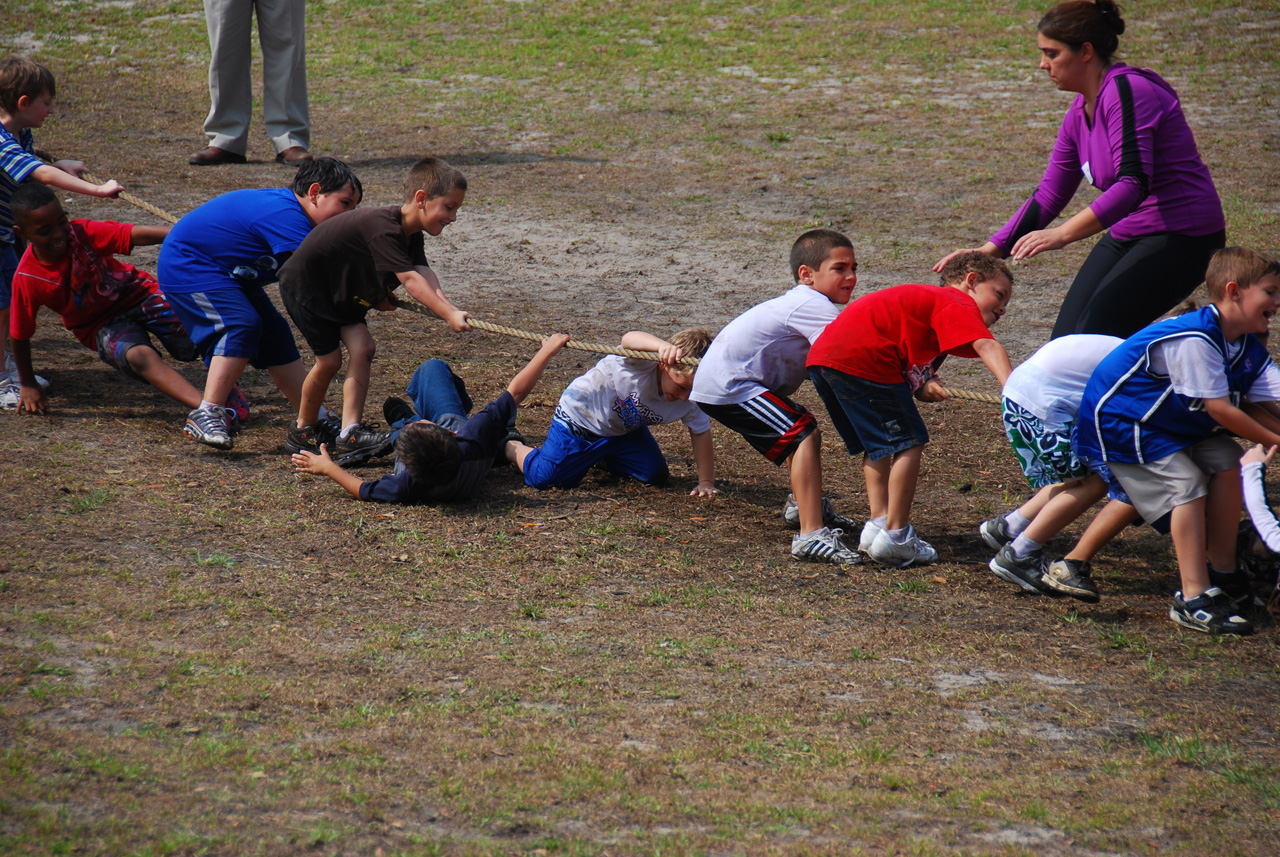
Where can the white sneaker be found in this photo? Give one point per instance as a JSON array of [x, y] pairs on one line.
[[869, 532], [824, 545], [913, 551], [9, 397]]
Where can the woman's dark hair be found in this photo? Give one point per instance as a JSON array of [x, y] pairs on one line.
[[1078, 21]]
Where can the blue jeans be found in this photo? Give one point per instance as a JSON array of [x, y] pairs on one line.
[[565, 458]]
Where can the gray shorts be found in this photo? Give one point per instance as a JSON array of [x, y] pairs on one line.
[[1157, 487]]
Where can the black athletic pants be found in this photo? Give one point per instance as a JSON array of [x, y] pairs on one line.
[[1125, 285]]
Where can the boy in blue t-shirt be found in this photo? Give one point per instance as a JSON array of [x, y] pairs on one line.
[[214, 266], [26, 100], [1155, 410], [442, 455]]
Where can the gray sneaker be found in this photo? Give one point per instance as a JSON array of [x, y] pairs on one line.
[[209, 427], [824, 545], [830, 517], [913, 551], [995, 532], [1025, 572], [1072, 577]]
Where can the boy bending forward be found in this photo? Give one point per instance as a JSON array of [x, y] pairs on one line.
[[110, 306], [1154, 412], [757, 362], [443, 455], [348, 266], [880, 352], [605, 415]]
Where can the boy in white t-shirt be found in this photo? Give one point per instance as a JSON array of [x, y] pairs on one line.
[[1039, 403], [758, 360], [604, 416]]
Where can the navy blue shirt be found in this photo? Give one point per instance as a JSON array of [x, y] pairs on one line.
[[480, 438]]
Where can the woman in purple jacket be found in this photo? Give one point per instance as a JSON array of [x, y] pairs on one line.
[[1126, 134]]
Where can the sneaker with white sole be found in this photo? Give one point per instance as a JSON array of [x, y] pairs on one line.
[[1072, 577], [830, 517], [9, 397], [995, 532], [869, 532], [912, 551], [1025, 572], [209, 427], [824, 545], [1211, 612]]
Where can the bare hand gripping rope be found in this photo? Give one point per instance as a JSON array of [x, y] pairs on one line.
[[524, 334]]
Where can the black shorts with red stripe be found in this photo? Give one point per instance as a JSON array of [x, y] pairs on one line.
[[773, 424]]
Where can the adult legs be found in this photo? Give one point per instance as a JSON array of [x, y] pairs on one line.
[[230, 96], [282, 33], [1125, 285]]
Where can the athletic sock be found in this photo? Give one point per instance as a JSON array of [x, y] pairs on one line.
[[1016, 523], [211, 406], [1023, 547], [880, 520], [899, 536], [347, 430]]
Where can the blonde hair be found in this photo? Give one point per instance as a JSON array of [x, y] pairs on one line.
[[692, 342]]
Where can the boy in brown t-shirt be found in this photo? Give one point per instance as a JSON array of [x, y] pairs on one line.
[[344, 268]]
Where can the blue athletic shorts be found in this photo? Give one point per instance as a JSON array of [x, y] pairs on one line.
[[135, 326], [878, 419], [236, 322]]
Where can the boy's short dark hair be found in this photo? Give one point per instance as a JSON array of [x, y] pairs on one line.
[[1240, 265], [975, 261], [20, 76], [430, 453], [330, 173], [813, 247], [435, 177], [692, 342], [28, 197]]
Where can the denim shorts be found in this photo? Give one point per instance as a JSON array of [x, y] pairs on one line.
[[135, 326], [8, 266], [877, 419]]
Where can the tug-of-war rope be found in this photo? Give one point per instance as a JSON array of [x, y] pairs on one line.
[[516, 333]]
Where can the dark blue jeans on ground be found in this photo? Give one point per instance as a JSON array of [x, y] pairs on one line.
[[437, 395]]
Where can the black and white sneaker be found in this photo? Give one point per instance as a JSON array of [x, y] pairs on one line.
[[824, 545], [1210, 613], [995, 532], [1237, 587], [360, 445], [1072, 577], [830, 517], [1024, 572]]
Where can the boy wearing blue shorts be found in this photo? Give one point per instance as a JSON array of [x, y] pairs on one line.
[[1157, 411], [754, 365], [214, 267], [27, 90], [111, 306], [880, 353], [604, 416], [1040, 402]]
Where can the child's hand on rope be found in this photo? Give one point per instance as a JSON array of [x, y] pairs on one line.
[[669, 354], [554, 343], [931, 391], [457, 320]]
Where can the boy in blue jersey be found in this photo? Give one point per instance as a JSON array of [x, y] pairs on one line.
[[214, 266], [1155, 411]]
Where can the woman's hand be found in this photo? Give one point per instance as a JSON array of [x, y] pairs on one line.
[[1035, 243]]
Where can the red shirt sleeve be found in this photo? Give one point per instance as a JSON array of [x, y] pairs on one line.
[[107, 237], [958, 323]]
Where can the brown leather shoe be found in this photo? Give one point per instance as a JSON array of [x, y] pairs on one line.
[[213, 156], [293, 156]]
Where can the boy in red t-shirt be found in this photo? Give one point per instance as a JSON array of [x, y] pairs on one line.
[[881, 351], [109, 305]]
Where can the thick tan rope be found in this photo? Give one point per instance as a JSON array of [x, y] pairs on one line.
[[538, 337], [524, 334], [133, 200]]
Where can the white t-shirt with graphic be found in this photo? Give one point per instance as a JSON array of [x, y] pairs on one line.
[[620, 394]]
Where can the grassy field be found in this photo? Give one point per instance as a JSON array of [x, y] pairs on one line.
[[201, 653]]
